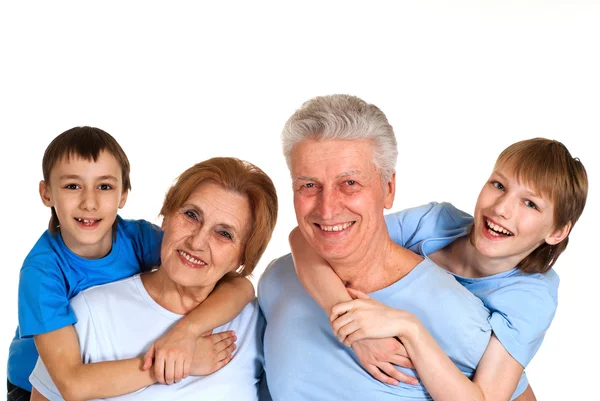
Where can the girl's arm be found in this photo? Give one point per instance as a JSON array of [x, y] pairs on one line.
[[496, 376], [318, 278], [173, 352]]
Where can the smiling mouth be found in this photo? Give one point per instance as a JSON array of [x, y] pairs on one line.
[[497, 230], [87, 222], [337, 227], [191, 259]]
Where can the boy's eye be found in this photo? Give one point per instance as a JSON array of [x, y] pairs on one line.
[[105, 187], [497, 185], [530, 204], [72, 186]]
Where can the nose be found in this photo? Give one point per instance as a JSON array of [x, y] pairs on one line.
[[89, 200], [329, 202], [504, 205], [199, 239]]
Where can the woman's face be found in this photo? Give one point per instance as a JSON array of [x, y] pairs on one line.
[[205, 238]]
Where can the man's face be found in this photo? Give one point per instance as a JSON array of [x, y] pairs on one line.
[[339, 196]]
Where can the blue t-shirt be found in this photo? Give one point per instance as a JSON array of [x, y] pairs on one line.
[[51, 275], [522, 305], [305, 361]]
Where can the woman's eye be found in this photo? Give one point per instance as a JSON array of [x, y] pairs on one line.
[[191, 214], [225, 234], [530, 204]]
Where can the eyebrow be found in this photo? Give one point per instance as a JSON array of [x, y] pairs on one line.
[[341, 175], [528, 191], [78, 177]]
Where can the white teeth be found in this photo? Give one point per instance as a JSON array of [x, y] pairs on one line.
[[191, 258], [497, 230], [86, 221], [338, 227]]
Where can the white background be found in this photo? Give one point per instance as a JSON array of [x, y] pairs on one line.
[[179, 82]]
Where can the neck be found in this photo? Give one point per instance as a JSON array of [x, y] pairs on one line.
[[172, 296], [462, 258], [383, 264]]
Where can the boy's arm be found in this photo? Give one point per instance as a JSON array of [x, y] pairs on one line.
[[172, 353], [377, 356], [497, 373], [59, 350], [36, 396]]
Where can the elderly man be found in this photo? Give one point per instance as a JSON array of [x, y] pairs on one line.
[[342, 154]]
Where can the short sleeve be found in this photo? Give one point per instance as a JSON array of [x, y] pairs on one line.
[[151, 239], [43, 302], [435, 224], [521, 312]]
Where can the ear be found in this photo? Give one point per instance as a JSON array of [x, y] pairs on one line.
[[390, 192], [559, 234], [46, 194], [123, 199]]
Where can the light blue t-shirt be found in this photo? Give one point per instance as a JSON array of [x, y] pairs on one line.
[[305, 361], [522, 305], [51, 275]]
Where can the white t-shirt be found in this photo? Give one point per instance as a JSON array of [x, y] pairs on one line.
[[120, 320]]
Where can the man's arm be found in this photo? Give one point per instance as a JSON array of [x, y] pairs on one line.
[[173, 352], [527, 395]]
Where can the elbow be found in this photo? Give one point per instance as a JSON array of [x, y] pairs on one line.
[[71, 389]]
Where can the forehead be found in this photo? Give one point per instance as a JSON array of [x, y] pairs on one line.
[[318, 158], [220, 204]]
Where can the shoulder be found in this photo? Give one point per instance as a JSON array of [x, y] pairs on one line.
[[135, 227], [278, 269], [100, 294]]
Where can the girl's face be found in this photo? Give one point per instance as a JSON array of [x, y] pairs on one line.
[[86, 196], [511, 219]]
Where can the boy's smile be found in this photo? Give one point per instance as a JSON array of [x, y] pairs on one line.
[[86, 196]]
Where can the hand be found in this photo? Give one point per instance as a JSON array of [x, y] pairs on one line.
[[364, 317], [213, 352], [172, 355], [379, 355]]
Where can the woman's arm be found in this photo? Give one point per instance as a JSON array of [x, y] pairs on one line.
[[496, 376], [36, 396], [318, 278], [59, 350], [173, 352]]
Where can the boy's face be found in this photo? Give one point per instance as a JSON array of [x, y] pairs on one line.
[[86, 196], [511, 220]]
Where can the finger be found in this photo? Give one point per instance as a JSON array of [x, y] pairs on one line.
[[348, 330], [226, 353], [377, 374], [358, 334], [177, 370], [340, 309], [187, 366], [206, 333], [391, 371], [223, 362], [148, 358], [221, 336], [223, 344], [159, 370], [340, 322], [169, 372], [357, 294], [401, 361]]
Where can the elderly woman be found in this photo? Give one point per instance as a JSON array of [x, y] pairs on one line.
[[217, 220]]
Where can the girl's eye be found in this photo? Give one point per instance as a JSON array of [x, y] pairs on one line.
[[530, 204], [497, 185], [225, 234], [105, 187], [72, 186]]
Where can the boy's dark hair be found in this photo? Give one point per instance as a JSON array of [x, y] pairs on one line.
[[86, 143]]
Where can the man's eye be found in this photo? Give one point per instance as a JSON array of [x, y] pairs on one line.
[[350, 182], [309, 185]]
